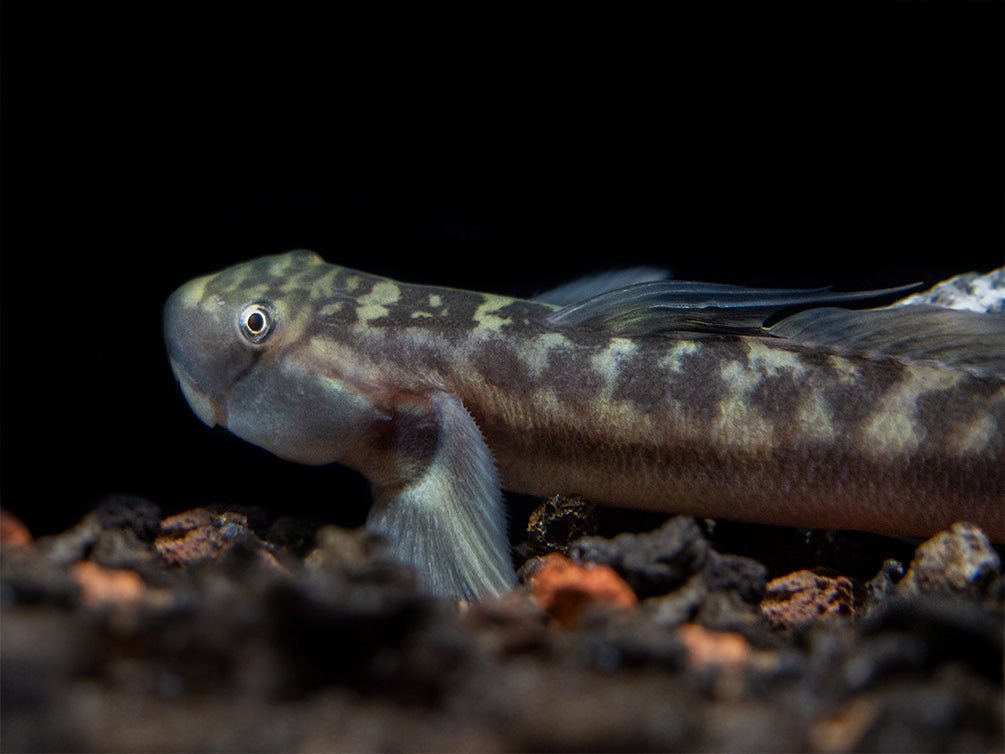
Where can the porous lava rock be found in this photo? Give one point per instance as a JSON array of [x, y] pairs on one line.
[[244, 630]]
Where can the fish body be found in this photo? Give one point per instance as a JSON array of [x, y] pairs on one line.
[[644, 396]]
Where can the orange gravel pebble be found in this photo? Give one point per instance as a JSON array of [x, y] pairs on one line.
[[706, 648], [107, 586], [565, 589], [12, 532]]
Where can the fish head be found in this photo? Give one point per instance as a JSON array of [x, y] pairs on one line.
[[235, 344]]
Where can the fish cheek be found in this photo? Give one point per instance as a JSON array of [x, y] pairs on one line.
[[299, 415]]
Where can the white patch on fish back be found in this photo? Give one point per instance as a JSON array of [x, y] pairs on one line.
[[608, 364], [676, 353], [895, 428], [373, 305], [485, 315], [739, 423], [973, 437]]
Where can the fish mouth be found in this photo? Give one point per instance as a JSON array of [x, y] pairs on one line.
[[209, 411]]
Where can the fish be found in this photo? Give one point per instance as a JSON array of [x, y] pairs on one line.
[[629, 389]]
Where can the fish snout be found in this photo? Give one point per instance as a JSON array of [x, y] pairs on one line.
[[192, 336]]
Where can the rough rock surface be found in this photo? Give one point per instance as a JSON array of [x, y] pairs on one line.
[[804, 596], [557, 522], [958, 561], [239, 630]]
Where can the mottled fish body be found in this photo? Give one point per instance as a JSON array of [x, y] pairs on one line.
[[662, 396]]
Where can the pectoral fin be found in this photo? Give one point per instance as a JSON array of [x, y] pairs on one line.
[[446, 519]]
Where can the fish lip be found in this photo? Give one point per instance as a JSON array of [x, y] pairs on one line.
[[210, 412]]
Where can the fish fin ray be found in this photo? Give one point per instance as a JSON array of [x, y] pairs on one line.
[[604, 282], [962, 338], [450, 522], [681, 306]]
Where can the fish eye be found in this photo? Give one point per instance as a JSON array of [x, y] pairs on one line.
[[255, 323]]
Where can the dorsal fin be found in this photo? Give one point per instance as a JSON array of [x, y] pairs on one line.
[[604, 282], [962, 338], [673, 305]]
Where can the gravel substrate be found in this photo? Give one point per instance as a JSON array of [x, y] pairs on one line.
[[241, 630]]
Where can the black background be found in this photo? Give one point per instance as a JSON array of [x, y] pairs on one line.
[[505, 147]]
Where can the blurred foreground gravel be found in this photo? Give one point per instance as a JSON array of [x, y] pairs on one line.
[[242, 630]]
